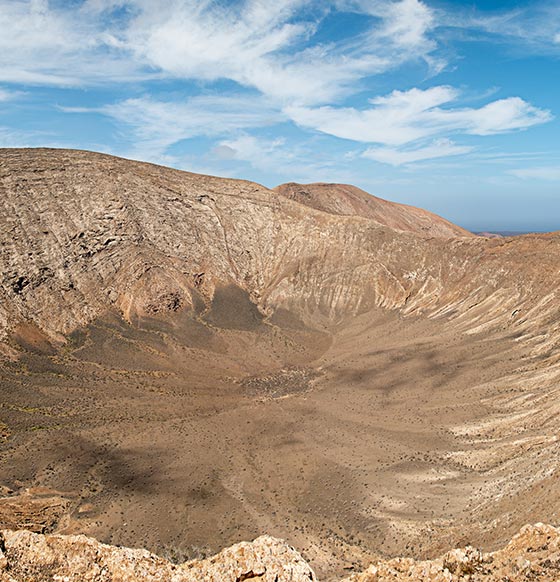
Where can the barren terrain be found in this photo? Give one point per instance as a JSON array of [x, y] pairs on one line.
[[188, 362]]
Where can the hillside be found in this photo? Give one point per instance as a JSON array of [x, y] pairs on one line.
[[346, 200]]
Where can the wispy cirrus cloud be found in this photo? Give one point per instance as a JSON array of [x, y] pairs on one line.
[[277, 157], [62, 46], [9, 95], [440, 148], [530, 27], [548, 173], [271, 46], [263, 153], [153, 125], [267, 46]]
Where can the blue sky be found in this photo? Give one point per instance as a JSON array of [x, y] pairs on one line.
[[448, 105]]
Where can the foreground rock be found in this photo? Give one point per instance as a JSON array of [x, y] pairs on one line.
[[29, 557], [532, 555]]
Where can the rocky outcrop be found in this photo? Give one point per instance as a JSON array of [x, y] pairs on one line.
[[36, 510], [532, 555], [28, 557]]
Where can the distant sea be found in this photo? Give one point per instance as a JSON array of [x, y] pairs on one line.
[[510, 232], [504, 232]]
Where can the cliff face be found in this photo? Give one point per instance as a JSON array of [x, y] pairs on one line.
[[533, 555]]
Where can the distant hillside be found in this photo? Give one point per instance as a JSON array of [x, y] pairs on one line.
[[346, 200]]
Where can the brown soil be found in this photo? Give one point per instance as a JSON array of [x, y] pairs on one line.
[[352, 447]]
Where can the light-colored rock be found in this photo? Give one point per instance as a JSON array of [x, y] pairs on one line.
[[532, 555], [29, 557]]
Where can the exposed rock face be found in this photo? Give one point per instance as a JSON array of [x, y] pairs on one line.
[[532, 555], [85, 233], [35, 510], [28, 557], [347, 200]]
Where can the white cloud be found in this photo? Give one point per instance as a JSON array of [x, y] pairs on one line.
[[549, 173], [268, 46], [18, 138], [396, 157], [7, 95], [502, 116], [405, 116], [261, 153], [294, 161], [407, 23], [64, 45], [532, 29], [12, 139], [403, 22], [224, 152], [156, 125]]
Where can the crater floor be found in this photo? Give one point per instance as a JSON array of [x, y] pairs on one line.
[[367, 441]]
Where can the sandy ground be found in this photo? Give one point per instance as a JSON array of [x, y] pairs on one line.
[[349, 443]]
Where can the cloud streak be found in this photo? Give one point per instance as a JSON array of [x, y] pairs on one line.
[[438, 149], [154, 125], [9, 95], [406, 116], [267, 46], [547, 173]]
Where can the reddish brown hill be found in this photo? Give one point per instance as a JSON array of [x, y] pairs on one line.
[[347, 200]]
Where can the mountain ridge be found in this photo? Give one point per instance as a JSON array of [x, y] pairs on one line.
[[123, 229], [348, 200]]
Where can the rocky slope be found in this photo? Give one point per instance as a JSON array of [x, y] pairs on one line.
[[532, 555], [84, 233], [28, 557]]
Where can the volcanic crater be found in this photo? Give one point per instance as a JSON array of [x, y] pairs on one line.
[[188, 362]]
